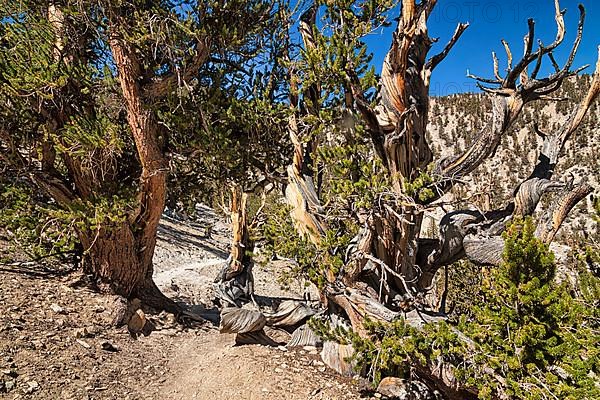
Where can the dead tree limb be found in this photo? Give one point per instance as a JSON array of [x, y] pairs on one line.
[[509, 95]]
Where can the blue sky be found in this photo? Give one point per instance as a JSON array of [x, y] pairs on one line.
[[490, 21]]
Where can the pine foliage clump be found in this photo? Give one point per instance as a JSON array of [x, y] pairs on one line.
[[531, 338]]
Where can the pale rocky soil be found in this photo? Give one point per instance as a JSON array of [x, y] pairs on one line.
[[56, 339]]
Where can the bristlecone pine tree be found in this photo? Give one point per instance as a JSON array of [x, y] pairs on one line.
[[94, 96], [359, 213]]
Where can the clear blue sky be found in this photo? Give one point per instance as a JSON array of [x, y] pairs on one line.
[[490, 21]]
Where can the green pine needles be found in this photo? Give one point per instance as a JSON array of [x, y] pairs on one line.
[[531, 338]]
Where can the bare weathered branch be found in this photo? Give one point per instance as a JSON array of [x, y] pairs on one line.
[[553, 220], [554, 143], [438, 58], [508, 98], [529, 194]]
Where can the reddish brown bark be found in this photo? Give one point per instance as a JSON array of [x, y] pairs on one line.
[[122, 255]]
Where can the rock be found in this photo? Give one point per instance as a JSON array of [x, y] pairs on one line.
[[108, 346], [401, 389], [32, 386], [136, 322], [57, 309], [84, 344], [80, 333], [9, 385], [392, 387]]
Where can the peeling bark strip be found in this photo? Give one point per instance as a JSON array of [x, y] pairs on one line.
[[301, 193], [241, 238]]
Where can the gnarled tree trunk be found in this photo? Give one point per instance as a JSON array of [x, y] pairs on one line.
[[389, 269], [122, 255]]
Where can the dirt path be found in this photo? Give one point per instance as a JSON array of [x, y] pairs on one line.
[[56, 339], [207, 365]]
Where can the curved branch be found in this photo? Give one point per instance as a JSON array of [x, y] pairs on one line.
[[553, 220], [438, 58], [508, 100]]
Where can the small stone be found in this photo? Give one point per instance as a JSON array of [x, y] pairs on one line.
[[108, 346], [310, 348], [171, 319], [137, 322], [32, 386], [57, 309], [84, 344], [282, 348], [278, 370], [9, 385], [377, 395], [38, 344]]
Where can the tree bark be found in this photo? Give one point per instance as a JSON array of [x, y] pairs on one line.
[[235, 282], [388, 268], [122, 255]]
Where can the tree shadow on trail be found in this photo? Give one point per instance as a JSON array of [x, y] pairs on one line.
[[175, 235], [213, 315]]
